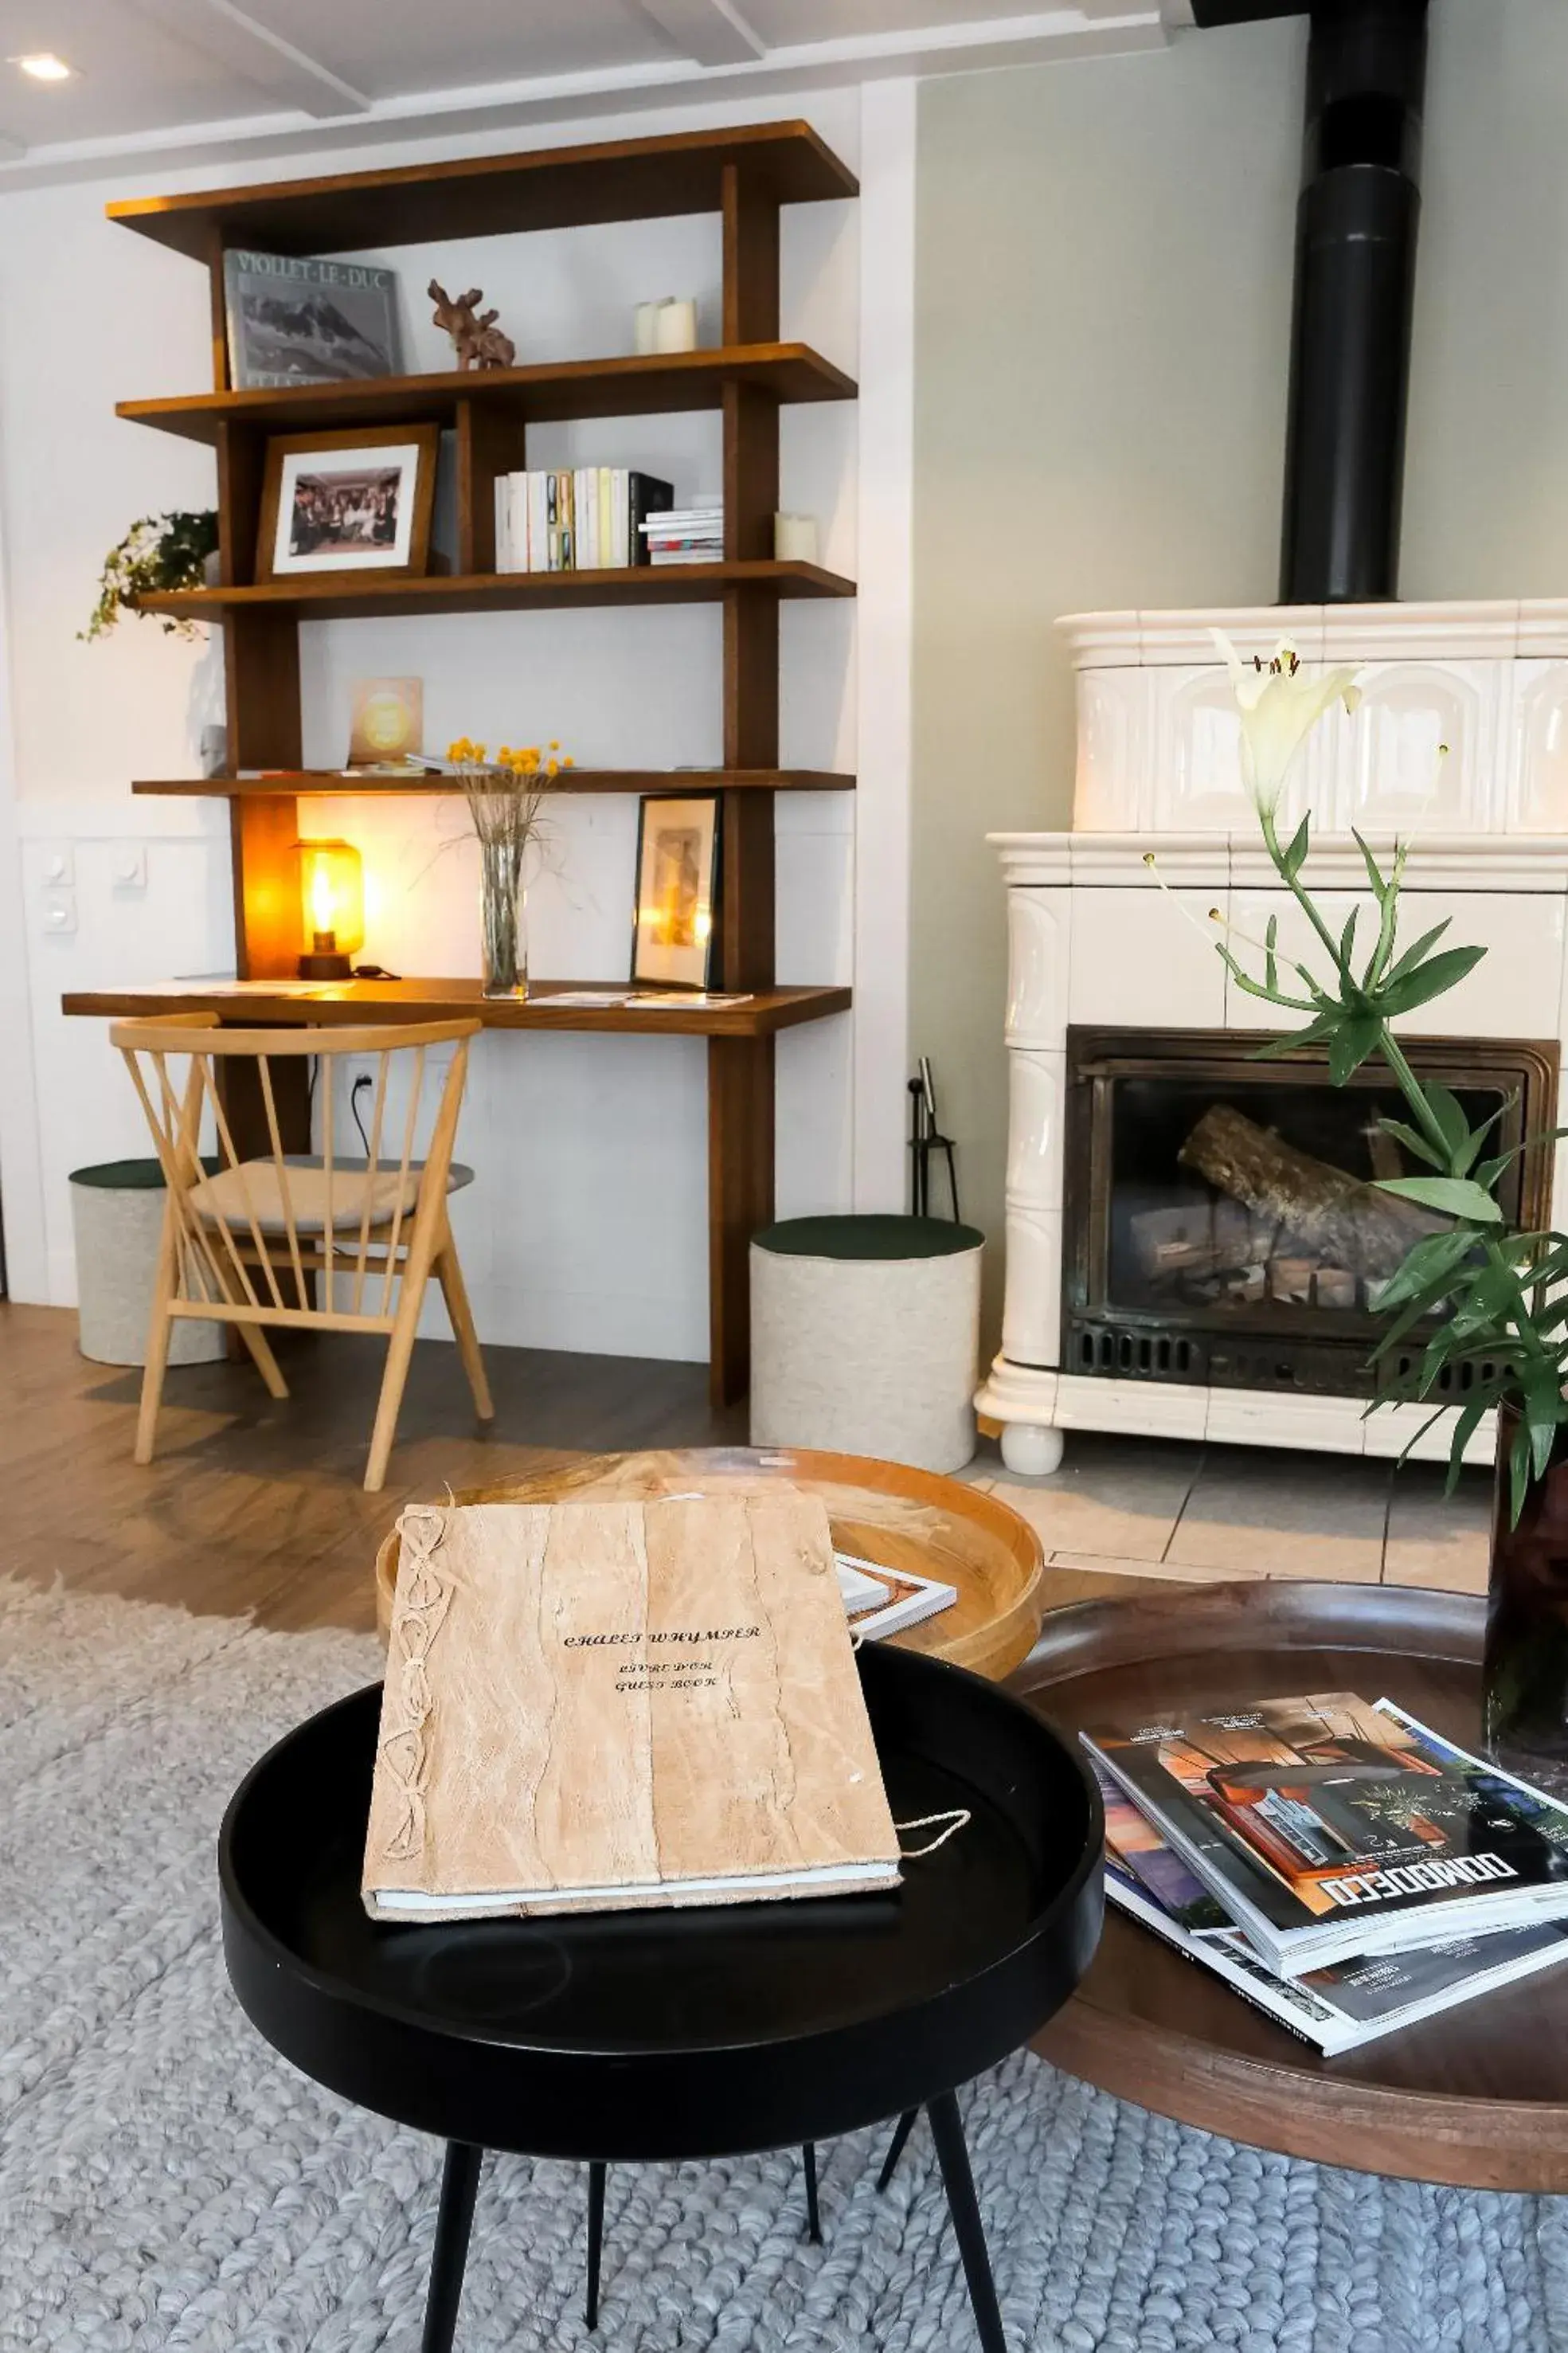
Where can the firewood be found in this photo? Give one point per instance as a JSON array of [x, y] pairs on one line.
[[1346, 1220]]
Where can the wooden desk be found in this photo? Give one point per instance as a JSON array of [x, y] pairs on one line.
[[740, 1091]]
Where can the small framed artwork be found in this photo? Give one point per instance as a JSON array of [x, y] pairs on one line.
[[676, 889], [354, 502]]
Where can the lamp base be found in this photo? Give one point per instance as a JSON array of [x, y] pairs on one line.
[[325, 967]]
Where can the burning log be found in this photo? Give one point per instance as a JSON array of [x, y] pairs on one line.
[[1347, 1223]]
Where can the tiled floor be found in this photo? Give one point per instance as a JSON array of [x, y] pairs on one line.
[[1150, 1507]]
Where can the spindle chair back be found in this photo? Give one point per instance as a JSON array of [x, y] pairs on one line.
[[329, 1240]]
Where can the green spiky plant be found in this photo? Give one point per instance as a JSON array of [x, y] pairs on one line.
[[1497, 1295]]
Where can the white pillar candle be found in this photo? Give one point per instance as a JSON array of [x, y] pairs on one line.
[[794, 538], [675, 325], [648, 325]]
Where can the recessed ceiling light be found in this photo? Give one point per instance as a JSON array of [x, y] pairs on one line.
[[44, 67]]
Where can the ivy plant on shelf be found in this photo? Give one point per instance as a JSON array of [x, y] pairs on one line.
[[1485, 1304], [157, 554]]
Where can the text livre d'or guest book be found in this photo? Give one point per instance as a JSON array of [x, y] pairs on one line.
[[607, 1706]]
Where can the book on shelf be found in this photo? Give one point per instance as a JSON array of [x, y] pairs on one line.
[[583, 519], [878, 1601], [293, 320], [1351, 2002], [686, 535], [1329, 1827], [612, 1706]]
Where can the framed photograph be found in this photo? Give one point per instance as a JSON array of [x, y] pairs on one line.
[[354, 502], [296, 322], [676, 889]]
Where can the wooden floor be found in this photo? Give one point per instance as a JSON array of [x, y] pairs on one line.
[[257, 1507]]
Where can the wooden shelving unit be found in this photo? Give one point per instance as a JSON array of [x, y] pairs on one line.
[[745, 176], [660, 385], [579, 780], [323, 595]]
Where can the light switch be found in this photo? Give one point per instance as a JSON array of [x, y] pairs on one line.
[[128, 866], [58, 912], [56, 862]]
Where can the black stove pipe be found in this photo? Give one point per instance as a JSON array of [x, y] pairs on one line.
[[1355, 282]]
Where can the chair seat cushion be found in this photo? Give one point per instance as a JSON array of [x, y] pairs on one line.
[[255, 1190]]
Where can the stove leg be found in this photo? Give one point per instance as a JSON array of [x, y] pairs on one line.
[[947, 2130], [813, 2214], [454, 2221], [890, 2162], [596, 2237]]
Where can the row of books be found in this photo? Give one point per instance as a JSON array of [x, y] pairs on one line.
[[575, 519], [1342, 1865], [686, 535]]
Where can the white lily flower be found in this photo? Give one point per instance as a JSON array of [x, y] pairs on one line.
[[1279, 706]]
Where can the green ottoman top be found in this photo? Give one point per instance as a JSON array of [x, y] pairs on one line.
[[132, 1175], [869, 1238]]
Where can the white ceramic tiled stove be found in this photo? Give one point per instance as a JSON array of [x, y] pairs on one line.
[[1092, 938]]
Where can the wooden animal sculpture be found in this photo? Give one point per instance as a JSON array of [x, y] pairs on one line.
[[477, 341]]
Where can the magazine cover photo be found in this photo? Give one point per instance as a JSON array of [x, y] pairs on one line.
[[1340, 1804]]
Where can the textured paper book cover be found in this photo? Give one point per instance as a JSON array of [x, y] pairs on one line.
[[594, 1707]]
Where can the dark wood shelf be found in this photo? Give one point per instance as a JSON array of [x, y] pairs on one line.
[[659, 384], [497, 195], [355, 596], [293, 782], [768, 1012], [743, 176]]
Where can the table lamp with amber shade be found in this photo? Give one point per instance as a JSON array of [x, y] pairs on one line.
[[331, 903]]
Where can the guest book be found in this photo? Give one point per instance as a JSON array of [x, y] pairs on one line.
[[607, 1706]]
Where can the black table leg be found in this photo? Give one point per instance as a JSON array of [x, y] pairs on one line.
[[890, 2162], [813, 2218], [947, 2130], [454, 2221], [596, 2237]]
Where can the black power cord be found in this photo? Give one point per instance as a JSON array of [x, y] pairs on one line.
[[363, 1080]]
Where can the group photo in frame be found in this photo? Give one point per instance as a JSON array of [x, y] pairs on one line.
[[674, 925], [351, 502]]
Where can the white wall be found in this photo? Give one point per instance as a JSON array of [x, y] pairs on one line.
[[587, 1228]]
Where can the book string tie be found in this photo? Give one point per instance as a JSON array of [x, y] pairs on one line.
[[425, 1594], [957, 1818]]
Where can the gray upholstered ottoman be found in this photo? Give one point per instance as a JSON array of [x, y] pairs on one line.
[[865, 1333], [117, 1212]]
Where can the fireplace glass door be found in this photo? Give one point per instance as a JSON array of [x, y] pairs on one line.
[[1224, 1222]]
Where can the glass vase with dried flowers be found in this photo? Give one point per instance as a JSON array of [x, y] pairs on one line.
[[506, 799], [1481, 1307]]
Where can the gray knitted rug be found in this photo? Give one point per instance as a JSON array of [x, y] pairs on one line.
[[166, 2181]]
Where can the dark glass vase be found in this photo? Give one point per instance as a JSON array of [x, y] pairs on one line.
[[1526, 1670]]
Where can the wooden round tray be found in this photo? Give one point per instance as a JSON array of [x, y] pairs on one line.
[[1477, 2095], [903, 1519]]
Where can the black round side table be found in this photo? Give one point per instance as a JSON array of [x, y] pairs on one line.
[[620, 2037]]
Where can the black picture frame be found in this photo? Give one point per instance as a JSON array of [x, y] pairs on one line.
[[678, 866]]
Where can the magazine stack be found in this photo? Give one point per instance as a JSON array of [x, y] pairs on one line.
[[1340, 1864]]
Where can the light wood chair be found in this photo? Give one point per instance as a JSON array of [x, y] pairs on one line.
[[301, 1241]]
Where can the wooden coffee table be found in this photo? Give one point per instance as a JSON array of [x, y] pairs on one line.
[[1477, 2096], [903, 1519]]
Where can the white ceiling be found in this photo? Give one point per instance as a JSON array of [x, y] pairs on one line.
[[176, 80]]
